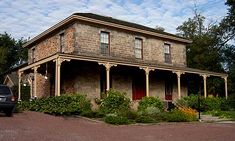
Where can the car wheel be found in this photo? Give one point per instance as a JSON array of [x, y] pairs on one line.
[[9, 112]]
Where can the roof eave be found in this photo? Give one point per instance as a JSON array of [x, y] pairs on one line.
[[77, 17]]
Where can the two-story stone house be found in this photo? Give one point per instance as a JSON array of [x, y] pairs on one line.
[[89, 53]]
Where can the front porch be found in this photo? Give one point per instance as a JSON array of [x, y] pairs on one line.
[[67, 73]]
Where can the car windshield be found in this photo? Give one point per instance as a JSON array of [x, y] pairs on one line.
[[4, 90]]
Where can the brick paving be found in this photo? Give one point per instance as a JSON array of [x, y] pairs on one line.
[[32, 126]]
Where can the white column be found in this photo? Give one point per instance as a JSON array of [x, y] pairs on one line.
[[179, 84], [204, 82], [35, 80], [57, 76], [58, 63], [147, 82], [226, 87], [19, 85], [107, 67], [107, 78], [147, 70]]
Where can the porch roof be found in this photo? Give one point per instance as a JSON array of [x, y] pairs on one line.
[[126, 62]]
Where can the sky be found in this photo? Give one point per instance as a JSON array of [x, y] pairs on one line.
[[28, 18]]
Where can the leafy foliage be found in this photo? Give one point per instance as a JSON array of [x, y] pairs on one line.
[[11, 52], [206, 104], [61, 105], [116, 119], [150, 102], [115, 102]]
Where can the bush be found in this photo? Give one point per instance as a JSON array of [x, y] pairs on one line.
[[188, 101], [150, 102], [176, 116], [211, 103], [145, 119], [206, 104], [115, 102], [116, 119], [22, 106], [60, 105]]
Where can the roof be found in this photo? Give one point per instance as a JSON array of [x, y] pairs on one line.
[[14, 78], [126, 23], [108, 21]]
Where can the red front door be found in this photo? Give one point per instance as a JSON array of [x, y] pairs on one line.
[[168, 89], [138, 87]]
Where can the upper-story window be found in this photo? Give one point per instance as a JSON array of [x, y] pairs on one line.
[[62, 42], [104, 42], [138, 48], [33, 55], [167, 52]]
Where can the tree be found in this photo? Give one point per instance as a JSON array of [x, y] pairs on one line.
[[203, 53], [11, 52]]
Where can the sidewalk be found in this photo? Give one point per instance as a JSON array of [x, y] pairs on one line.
[[210, 118]]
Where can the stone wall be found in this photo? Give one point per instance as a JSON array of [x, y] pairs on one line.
[[122, 44], [43, 86], [51, 44], [81, 77]]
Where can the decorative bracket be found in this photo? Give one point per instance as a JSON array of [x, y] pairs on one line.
[[107, 65], [204, 76], [35, 68], [178, 73], [147, 70]]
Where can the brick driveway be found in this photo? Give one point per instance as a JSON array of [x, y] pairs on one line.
[[32, 126]]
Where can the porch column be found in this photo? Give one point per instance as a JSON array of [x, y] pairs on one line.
[[147, 70], [35, 68], [107, 66], [204, 82], [58, 63], [226, 87], [19, 85], [30, 83], [178, 73]]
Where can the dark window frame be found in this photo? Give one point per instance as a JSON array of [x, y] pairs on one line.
[[167, 56], [141, 49], [33, 55], [62, 42], [107, 50]]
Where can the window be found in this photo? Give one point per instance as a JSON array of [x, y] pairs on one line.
[[33, 54], [104, 42], [138, 48], [167, 52], [62, 42]]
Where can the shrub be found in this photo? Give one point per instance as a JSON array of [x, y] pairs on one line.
[[151, 111], [206, 104], [188, 101], [211, 103], [22, 106], [189, 112], [145, 119], [150, 102], [176, 116], [60, 105], [116, 119], [115, 102]]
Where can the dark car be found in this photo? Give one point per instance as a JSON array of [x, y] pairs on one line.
[[7, 100]]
